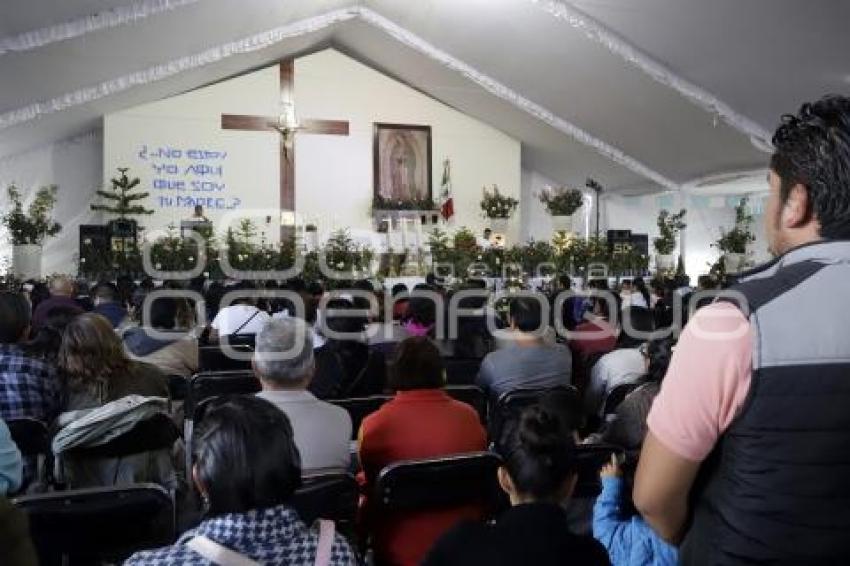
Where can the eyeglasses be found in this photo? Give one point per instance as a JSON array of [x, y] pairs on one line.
[[644, 350]]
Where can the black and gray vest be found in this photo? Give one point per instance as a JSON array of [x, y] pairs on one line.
[[776, 489]]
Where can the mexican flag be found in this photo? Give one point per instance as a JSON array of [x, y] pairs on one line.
[[447, 205]]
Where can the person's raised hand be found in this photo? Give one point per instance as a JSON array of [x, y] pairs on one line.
[[610, 469]]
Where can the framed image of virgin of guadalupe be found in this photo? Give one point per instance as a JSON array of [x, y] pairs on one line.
[[402, 166]]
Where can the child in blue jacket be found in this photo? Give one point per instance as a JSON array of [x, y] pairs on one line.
[[628, 539]]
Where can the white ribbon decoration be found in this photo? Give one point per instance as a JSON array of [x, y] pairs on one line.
[[658, 72], [75, 28]]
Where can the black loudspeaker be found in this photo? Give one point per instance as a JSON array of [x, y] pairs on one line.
[[619, 241], [94, 246], [640, 243], [94, 238]]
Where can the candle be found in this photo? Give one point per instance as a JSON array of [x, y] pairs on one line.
[[403, 226]]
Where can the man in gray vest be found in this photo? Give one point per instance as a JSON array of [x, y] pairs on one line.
[[747, 459]]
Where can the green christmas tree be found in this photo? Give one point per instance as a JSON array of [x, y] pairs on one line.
[[123, 199]]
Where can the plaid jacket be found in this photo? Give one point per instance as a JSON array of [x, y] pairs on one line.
[[29, 387], [274, 537]]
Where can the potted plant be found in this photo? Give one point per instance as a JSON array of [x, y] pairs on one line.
[[123, 202], [669, 226], [29, 229], [733, 244], [561, 203], [498, 208]]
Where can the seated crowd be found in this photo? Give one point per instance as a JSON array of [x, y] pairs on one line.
[[249, 455]]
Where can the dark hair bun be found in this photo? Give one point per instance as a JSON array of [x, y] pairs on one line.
[[541, 432]]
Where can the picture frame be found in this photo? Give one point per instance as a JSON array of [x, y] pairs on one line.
[[402, 166]]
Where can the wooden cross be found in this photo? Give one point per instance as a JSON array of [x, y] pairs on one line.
[[287, 136]]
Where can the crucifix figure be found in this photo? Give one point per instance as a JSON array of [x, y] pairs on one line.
[[286, 125]]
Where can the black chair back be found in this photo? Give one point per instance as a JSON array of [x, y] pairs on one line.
[[31, 436], [331, 496], [206, 385], [155, 433], [472, 396], [563, 401], [462, 371], [213, 358], [359, 408], [447, 482], [214, 383], [91, 526], [617, 395], [177, 387], [591, 458]]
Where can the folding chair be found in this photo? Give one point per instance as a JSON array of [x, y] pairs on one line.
[[330, 496], [563, 401], [33, 440], [91, 526], [448, 481], [617, 395], [212, 384], [591, 458], [213, 358], [460, 487], [462, 371]]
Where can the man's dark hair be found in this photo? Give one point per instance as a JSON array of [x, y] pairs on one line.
[[526, 313], [418, 365], [335, 319], [812, 149], [163, 313], [245, 455], [641, 320], [421, 309], [659, 352], [398, 289], [14, 316], [106, 291]]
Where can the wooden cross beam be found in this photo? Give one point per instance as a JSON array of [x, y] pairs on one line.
[[287, 136]]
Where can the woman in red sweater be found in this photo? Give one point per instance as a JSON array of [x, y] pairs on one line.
[[422, 421]]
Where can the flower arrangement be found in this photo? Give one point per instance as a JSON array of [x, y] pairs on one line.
[[464, 240], [36, 224], [343, 254], [496, 205], [381, 203], [735, 241], [561, 201], [669, 226]]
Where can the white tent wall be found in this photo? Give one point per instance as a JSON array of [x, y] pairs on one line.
[[707, 214], [76, 166]]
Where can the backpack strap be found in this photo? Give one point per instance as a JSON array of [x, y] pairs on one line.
[[218, 554], [244, 324], [326, 542]]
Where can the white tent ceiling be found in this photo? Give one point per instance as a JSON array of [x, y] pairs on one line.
[[640, 94]]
